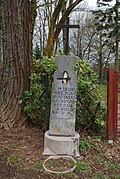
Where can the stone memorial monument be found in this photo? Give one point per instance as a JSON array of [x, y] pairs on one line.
[[61, 139]]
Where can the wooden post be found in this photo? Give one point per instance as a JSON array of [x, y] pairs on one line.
[[112, 105], [115, 96]]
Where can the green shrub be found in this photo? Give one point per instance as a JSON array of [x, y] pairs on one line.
[[90, 113], [37, 101]]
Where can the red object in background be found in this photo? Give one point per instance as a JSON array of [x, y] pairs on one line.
[[112, 104]]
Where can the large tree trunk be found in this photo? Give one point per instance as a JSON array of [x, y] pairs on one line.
[[1, 47], [16, 61], [0, 32]]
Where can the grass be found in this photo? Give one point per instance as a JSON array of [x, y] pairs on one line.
[[14, 146], [97, 137], [85, 145], [82, 166], [16, 159], [112, 166], [3, 150], [72, 175], [100, 175], [98, 160], [37, 165]]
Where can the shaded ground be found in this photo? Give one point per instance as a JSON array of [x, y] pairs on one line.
[[21, 157]]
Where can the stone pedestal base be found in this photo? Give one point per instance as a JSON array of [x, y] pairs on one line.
[[60, 145]]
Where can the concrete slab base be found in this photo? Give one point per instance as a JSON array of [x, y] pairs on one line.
[[60, 145]]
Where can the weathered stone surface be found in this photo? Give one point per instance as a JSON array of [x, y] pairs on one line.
[[61, 139], [63, 99], [54, 145]]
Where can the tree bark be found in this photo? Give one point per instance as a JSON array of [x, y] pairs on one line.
[[1, 46], [33, 15], [48, 51], [16, 54], [1, 49]]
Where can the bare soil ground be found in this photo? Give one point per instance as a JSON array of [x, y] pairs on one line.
[[21, 157]]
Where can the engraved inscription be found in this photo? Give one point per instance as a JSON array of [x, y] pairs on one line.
[[63, 102]]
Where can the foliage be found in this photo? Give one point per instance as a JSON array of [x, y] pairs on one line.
[[37, 52], [117, 177], [108, 20], [89, 109], [85, 145], [60, 51], [37, 101]]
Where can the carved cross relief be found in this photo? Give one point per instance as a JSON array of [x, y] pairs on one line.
[[65, 77]]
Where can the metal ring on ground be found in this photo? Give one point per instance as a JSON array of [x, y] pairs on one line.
[[58, 157]]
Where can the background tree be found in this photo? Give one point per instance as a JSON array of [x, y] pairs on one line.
[[83, 38], [90, 43], [109, 21], [16, 62], [56, 20], [32, 19], [44, 13]]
